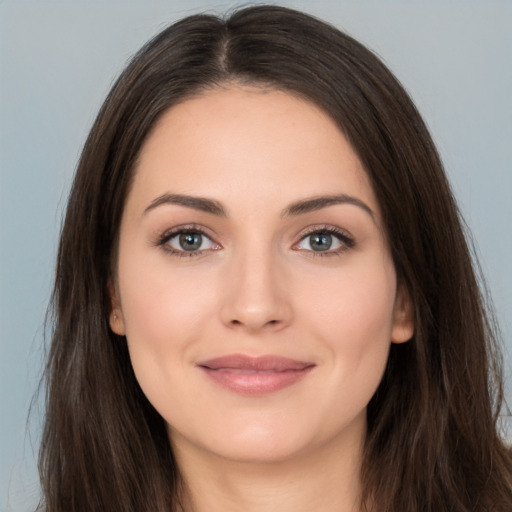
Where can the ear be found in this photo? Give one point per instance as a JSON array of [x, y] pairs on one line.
[[403, 316], [116, 319]]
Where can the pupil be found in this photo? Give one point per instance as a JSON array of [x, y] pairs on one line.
[[190, 241], [321, 242]]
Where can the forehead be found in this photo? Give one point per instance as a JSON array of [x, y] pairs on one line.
[[249, 147]]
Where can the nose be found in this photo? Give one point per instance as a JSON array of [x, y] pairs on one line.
[[256, 297]]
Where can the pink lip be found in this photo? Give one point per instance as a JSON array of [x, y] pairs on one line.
[[255, 375]]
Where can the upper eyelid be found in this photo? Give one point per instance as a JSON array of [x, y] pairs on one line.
[[324, 228], [184, 228]]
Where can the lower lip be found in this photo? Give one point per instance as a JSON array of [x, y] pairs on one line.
[[247, 382]]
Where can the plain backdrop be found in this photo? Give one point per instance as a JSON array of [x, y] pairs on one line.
[[57, 62]]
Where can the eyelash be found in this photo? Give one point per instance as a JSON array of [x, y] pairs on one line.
[[346, 241], [163, 241]]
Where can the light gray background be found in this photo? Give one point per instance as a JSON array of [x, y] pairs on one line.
[[57, 61]]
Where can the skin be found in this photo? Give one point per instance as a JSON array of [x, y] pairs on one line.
[[257, 287]]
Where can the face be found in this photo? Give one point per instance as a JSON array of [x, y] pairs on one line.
[[254, 283]]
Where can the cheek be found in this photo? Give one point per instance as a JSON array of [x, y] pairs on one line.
[[352, 313], [156, 294], [164, 313], [357, 299], [355, 323]]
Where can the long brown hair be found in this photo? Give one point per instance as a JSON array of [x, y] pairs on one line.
[[432, 442]]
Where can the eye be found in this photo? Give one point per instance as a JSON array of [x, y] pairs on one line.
[[326, 240], [187, 242]]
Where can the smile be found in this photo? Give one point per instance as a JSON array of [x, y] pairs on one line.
[[255, 375]]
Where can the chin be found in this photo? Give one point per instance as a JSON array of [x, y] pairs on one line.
[[252, 442], [260, 442]]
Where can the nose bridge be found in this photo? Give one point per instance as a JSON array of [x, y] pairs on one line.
[[256, 296]]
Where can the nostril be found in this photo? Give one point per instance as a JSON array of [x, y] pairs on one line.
[[269, 323]]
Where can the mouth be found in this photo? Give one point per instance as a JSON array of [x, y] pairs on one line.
[[255, 375]]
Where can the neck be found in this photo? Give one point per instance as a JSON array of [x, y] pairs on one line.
[[326, 479]]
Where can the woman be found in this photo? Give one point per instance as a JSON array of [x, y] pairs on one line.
[[264, 298]]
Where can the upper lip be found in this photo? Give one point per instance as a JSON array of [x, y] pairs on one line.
[[263, 363]]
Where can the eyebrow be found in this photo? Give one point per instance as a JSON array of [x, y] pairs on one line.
[[196, 203], [317, 203], [300, 207]]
